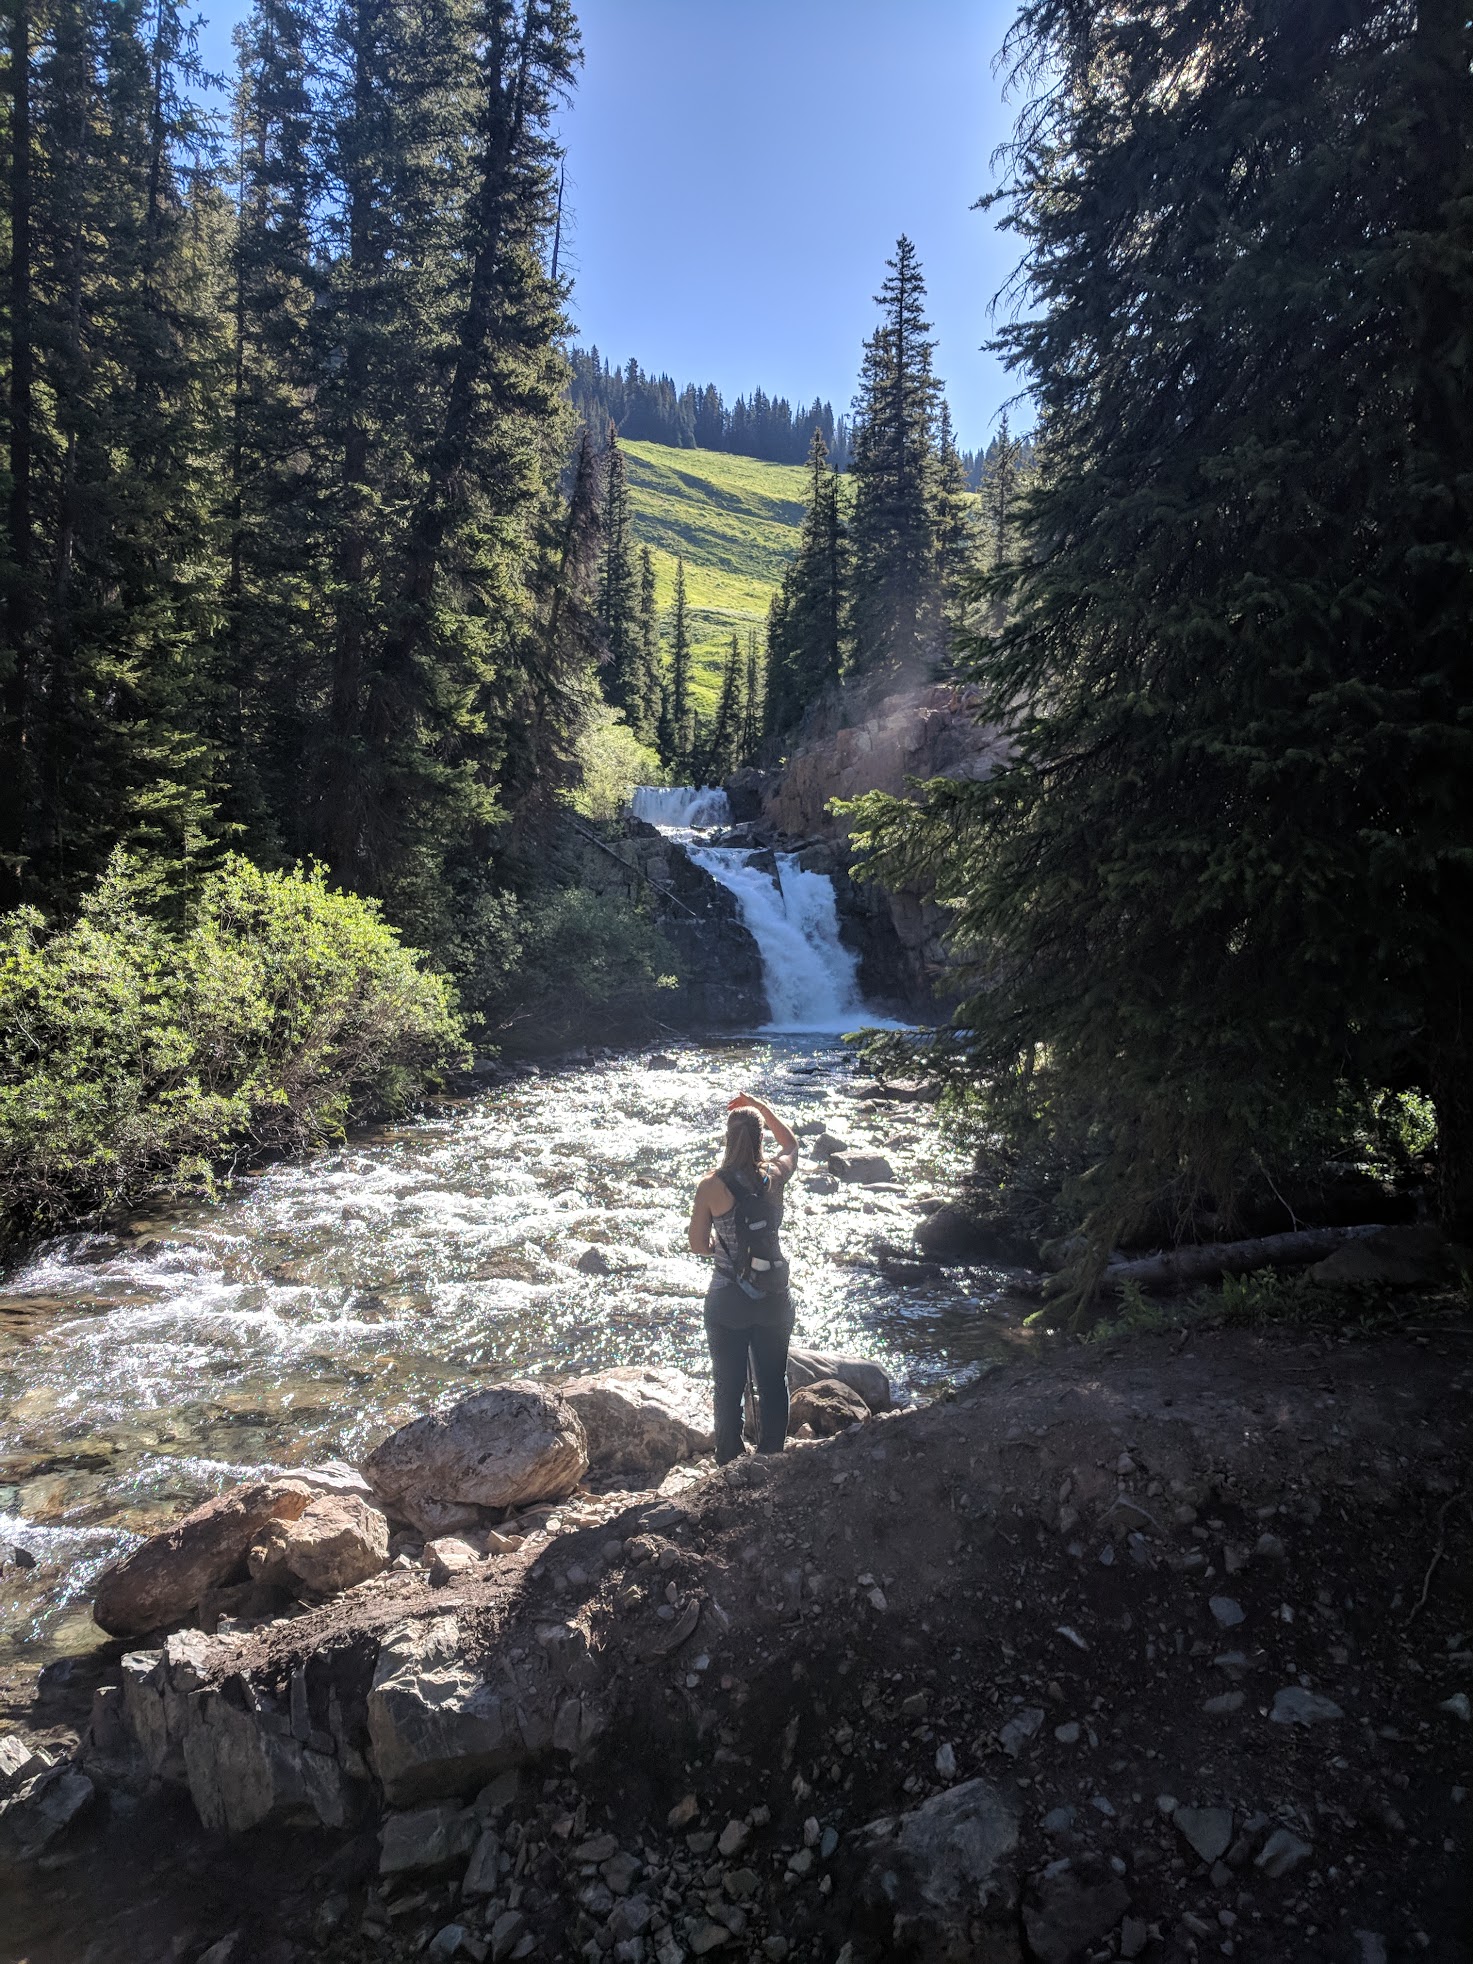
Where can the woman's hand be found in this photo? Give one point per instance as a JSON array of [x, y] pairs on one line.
[[743, 1102]]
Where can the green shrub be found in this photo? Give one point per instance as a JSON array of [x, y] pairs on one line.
[[562, 964], [138, 1054], [612, 761]]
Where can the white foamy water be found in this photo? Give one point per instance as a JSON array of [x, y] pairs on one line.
[[681, 807], [810, 977], [321, 1302]]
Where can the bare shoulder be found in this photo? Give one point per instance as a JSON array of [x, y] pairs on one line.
[[712, 1192]]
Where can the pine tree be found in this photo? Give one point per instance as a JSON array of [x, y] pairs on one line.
[[721, 751], [956, 533], [807, 655], [897, 597], [617, 600], [676, 740], [644, 714], [1219, 891], [752, 702]]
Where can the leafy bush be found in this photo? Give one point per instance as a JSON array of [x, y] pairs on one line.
[[138, 1054], [561, 964], [612, 761]]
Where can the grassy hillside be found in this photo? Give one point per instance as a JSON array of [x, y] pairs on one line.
[[735, 522]]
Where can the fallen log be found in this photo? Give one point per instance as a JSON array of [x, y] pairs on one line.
[[1205, 1261]]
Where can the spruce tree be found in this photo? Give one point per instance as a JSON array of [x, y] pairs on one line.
[[957, 544], [676, 741], [1219, 891], [751, 702], [644, 713], [618, 604], [807, 655], [721, 751], [897, 609]]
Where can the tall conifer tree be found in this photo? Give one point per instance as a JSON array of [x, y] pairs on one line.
[[897, 589], [618, 603], [1219, 891]]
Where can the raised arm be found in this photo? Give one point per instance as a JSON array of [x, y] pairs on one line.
[[787, 1145]]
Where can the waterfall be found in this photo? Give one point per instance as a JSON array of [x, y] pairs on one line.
[[680, 807], [810, 977]]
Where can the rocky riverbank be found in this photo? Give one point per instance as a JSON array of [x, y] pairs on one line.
[[1161, 1653]]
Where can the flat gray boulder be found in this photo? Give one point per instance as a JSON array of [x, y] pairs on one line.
[[508, 1446], [640, 1420], [159, 1584], [944, 1873], [868, 1379]]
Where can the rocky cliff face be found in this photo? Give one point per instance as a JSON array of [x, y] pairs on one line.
[[853, 744], [719, 958]]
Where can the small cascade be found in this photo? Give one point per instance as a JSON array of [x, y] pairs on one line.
[[681, 807], [810, 977]]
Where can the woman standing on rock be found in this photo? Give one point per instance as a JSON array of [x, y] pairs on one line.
[[737, 1214]]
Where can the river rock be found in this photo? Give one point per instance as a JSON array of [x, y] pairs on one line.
[[1206, 1830], [47, 1804], [808, 1367], [861, 1169], [1396, 1258], [427, 1838], [641, 1420], [1293, 1705], [18, 1763], [160, 1584], [512, 1444], [826, 1144], [337, 1542], [1066, 1913], [829, 1406], [953, 1234], [945, 1866]]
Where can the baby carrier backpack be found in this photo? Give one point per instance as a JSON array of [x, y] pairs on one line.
[[761, 1268]]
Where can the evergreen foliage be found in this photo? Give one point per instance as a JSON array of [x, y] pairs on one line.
[[807, 632], [897, 582], [648, 408], [618, 604], [1223, 883], [284, 559]]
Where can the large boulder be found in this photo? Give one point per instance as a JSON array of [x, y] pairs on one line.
[[1396, 1258], [506, 1447], [338, 1542], [641, 1420], [160, 1583], [864, 1169], [829, 1406], [954, 1234], [868, 1379], [436, 1727], [943, 1873]]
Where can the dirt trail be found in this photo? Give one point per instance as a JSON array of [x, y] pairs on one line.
[[1089, 1580]]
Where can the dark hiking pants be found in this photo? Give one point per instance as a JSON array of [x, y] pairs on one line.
[[768, 1346]]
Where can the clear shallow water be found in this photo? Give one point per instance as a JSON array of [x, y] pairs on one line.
[[323, 1302]]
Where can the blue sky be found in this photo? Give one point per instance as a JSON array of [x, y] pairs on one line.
[[739, 171]]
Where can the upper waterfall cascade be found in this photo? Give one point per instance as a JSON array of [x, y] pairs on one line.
[[680, 807], [810, 977]]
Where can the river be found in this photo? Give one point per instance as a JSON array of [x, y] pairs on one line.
[[320, 1302]]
